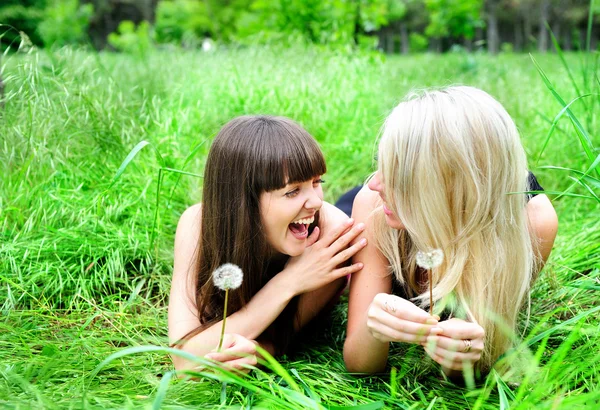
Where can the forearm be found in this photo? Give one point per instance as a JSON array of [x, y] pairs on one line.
[[250, 322], [363, 353]]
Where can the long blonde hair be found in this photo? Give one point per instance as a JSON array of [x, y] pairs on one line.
[[451, 161]]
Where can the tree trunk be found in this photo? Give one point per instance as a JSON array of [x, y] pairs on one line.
[[492, 28], [556, 28], [527, 30], [568, 44], [544, 17], [405, 44], [389, 41], [518, 32], [108, 14]]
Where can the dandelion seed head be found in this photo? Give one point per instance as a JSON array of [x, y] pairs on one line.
[[228, 276], [430, 259]]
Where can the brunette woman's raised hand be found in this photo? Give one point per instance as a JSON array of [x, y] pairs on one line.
[[320, 262]]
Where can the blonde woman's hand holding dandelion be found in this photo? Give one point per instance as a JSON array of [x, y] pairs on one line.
[[455, 344], [393, 319]]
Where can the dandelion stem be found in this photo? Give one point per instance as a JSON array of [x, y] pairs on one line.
[[430, 275], [224, 319]]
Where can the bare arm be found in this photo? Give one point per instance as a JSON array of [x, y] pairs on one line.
[[314, 269], [362, 351], [249, 322]]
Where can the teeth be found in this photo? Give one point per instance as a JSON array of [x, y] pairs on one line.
[[305, 221]]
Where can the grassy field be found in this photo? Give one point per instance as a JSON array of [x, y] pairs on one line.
[[85, 265]]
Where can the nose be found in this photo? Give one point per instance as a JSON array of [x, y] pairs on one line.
[[314, 200], [375, 183]]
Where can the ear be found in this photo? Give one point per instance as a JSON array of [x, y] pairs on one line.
[[313, 237]]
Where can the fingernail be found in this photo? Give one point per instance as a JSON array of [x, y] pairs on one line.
[[360, 226], [437, 317], [360, 265], [431, 321], [436, 330], [350, 221], [363, 241]]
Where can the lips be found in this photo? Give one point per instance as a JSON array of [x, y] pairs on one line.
[[387, 211], [299, 228]]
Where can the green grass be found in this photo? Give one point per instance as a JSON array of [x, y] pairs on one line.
[[81, 278]]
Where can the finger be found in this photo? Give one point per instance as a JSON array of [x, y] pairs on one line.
[[450, 364], [387, 334], [346, 270], [349, 252], [403, 309], [455, 345], [228, 355], [403, 326], [434, 344], [344, 240], [313, 237], [244, 365], [336, 232], [228, 341], [461, 330]]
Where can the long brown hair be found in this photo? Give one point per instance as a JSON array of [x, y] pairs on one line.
[[249, 156]]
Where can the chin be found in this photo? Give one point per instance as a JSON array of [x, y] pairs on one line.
[[393, 222]]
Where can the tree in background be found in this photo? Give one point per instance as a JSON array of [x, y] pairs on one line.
[[108, 14]]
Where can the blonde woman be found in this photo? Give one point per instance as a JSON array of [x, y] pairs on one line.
[[451, 175]]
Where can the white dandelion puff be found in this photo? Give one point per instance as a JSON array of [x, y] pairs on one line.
[[228, 276], [431, 259]]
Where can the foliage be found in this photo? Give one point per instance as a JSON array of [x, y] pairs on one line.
[[457, 18], [22, 15], [181, 21], [65, 22], [131, 39]]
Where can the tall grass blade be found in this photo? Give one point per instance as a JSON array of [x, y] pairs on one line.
[[563, 61], [553, 329], [556, 119], [161, 392], [139, 146], [583, 136]]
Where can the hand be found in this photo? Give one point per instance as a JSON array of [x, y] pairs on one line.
[[449, 340], [318, 264], [237, 353], [393, 319]]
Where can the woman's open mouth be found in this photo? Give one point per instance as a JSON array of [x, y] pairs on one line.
[[299, 228]]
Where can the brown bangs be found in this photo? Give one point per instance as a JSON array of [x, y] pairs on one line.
[[287, 154]]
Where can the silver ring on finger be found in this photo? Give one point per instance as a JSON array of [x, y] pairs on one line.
[[468, 343], [390, 307]]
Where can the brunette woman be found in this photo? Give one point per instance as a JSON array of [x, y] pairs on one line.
[[262, 210]]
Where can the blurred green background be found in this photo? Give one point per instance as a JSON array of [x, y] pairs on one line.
[[391, 25]]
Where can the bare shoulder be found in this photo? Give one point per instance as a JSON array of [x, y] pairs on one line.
[[366, 200], [186, 239], [543, 222], [330, 217]]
